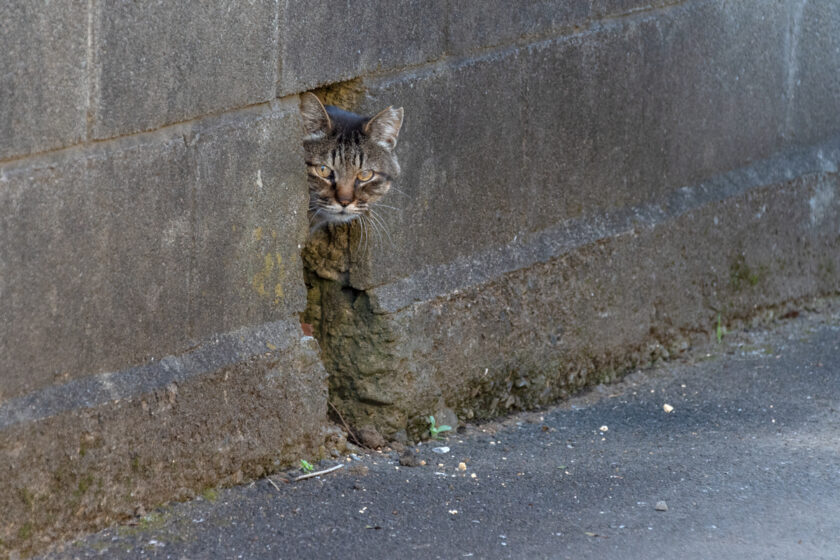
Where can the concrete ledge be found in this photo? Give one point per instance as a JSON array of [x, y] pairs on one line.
[[93, 451]]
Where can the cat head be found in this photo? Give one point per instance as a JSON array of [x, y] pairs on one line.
[[350, 159]]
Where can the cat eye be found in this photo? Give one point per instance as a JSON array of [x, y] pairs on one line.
[[323, 171], [364, 175]]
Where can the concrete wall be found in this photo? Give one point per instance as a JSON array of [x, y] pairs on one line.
[[586, 186]]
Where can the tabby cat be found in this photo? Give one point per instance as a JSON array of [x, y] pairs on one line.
[[350, 159]]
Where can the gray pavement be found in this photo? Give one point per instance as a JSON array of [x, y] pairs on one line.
[[748, 463]]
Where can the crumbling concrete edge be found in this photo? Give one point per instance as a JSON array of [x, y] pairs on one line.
[[214, 354]]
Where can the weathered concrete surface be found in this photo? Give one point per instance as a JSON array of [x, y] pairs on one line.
[[474, 26], [812, 83], [747, 464], [615, 116], [228, 411], [43, 78], [323, 42], [164, 62], [114, 255]]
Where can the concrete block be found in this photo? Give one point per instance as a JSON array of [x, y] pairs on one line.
[[510, 142], [250, 220], [145, 247], [165, 62], [325, 42], [43, 76]]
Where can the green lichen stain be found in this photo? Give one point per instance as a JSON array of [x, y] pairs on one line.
[[25, 532], [742, 276], [268, 281]]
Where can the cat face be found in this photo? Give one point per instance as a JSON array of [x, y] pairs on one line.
[[350, 159]]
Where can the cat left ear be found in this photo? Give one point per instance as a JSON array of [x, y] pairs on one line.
[[384, 127], [316, 121]]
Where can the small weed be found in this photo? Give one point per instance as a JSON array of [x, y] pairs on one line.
[[306, 466], [435, 430], [211, 495], [720, 330]]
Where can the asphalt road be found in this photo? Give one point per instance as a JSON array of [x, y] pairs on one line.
[[748, 463]]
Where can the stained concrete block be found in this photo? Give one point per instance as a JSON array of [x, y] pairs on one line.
[[517, 140], [146, 247], [250, 220], [325, 42], [43, 76], [230, 411], [164, 62]]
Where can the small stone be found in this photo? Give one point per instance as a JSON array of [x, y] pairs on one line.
[[604, 428], [667, 407], [661, 506], [409, 458], [441, 450], [370, 437], [462, 466]]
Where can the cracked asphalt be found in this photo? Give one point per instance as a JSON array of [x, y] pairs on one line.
[[747, 463]]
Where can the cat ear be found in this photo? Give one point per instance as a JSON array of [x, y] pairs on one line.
[[384, 127], [316, 121]]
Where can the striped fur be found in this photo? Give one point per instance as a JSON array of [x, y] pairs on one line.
[[350, 159]]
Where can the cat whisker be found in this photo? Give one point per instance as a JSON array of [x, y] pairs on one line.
[[378, 219], [375, 226], [314, 216]]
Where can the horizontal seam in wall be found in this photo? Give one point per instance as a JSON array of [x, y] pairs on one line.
[[207, 122], [183, 130]]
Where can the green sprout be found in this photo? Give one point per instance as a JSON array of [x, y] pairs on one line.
[[306, 466], [434, 430], [720, 330]]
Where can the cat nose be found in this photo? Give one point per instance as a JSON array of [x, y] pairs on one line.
[[344, 201]]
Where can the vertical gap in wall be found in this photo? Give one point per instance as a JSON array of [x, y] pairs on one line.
[[358, 346]]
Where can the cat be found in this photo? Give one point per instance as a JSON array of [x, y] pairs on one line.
[[350, 159]]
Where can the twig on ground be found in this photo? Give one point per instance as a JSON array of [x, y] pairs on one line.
[[272, 483], [325, 471]]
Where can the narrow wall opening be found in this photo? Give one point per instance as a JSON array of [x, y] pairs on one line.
[[370, 372]]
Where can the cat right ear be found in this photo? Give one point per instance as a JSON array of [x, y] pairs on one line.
[[316, 121]]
